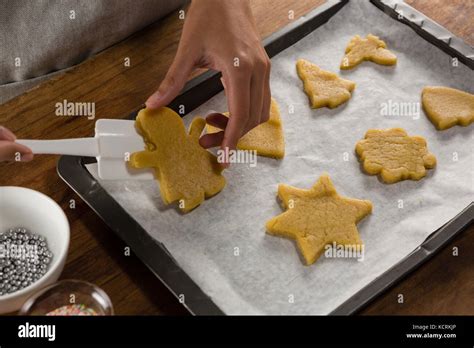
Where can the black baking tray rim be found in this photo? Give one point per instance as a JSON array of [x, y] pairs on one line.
[[428, 29]]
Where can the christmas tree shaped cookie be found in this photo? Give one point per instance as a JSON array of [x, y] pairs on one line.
[[318, 217], [447, 107], [187, 173], [394, 155], [267, 138], [371, 48], [323, 88]]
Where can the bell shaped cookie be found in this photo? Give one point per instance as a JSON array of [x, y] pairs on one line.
[[318, 217], [371, 48], [394, 155], [267, 138], [186, 172], [323, 88], [447, 107]]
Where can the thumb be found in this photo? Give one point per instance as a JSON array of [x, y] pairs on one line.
[[173, 83]]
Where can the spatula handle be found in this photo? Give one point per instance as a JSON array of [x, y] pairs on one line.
[[76, 147]]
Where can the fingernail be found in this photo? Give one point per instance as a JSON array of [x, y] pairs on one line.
[[6, 134], [225, 163], [26, 157], [152, 100]]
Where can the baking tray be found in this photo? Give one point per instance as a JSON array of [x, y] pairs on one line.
[[155, 255], [428, 29]]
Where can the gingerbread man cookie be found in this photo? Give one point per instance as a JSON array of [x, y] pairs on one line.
[[267, 138], [187, 173], [323, 88], [394, 155], [371, 48], [318, 217], [447, 107]]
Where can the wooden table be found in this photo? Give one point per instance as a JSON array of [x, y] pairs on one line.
[[444, 285]]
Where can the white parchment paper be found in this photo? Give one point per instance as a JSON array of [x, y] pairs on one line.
[[268, 273]]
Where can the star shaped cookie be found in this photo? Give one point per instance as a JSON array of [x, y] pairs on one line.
[[187, 173], [323, 88], [371, 48], [267, 138], [394, 155], [318, 217], [447, 107]]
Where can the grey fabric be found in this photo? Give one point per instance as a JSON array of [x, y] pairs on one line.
[[42, 34], [11, 90]]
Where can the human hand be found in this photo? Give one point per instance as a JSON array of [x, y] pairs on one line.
[[222, 35], [9, 149]]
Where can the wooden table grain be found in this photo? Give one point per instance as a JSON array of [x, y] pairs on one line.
[[444, 285]]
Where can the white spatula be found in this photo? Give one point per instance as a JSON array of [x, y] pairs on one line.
[[113, 140]]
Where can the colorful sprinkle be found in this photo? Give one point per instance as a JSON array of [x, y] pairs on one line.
[[73, 309]]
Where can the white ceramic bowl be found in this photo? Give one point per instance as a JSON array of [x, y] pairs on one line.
[[22, 207]]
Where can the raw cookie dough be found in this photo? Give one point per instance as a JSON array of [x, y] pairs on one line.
[[187, 173], [267, 138], [371, 48], [323, 88], [447, 107], [395, 155], [318, 217]]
